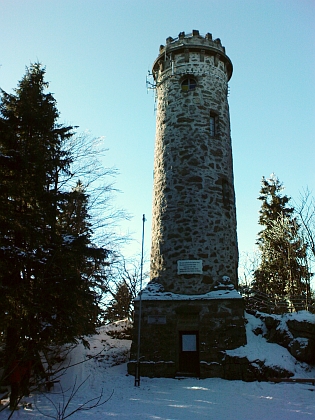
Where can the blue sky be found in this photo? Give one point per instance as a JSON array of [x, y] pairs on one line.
[[97, 54]]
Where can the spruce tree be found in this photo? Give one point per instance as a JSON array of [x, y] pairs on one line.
[[49, 283], [283, 269], [31, 152], [120, 307]]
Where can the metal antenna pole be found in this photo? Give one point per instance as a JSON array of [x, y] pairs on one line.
[[137, 373]]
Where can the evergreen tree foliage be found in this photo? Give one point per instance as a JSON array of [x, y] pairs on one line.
[[306, 212], [283, 269], [125, 278], [50, 281], [120, 307]]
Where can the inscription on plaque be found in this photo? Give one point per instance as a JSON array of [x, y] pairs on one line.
[[158, 319], [189, 267]]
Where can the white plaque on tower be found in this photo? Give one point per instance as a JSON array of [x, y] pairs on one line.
[[189, 267]]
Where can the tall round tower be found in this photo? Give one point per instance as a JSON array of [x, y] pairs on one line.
[[190, 312], [194, 242]]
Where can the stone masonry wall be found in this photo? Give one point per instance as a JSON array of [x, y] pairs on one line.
[[220, 324], [194, 215]]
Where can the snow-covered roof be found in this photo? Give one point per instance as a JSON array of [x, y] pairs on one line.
[[155, 291]]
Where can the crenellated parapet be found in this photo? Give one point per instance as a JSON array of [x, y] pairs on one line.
[[185, 45]]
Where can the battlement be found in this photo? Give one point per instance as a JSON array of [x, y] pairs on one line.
[[190, 43], [192, 39]]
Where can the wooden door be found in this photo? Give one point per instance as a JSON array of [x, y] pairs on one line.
[[189, 353]]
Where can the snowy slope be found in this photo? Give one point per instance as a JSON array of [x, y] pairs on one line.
[[272, 354], [166, 399]]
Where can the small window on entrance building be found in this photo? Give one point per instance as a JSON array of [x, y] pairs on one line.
[[188, 84], [189, 342]]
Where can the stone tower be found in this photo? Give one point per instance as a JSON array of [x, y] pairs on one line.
[[191, 312], [194, 240]]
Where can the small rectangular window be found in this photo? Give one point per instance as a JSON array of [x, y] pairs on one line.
[[188, 84], [189, 342], [225, 192], [212, 126], [186, 55]]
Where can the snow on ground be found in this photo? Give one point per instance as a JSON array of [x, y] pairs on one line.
[[170, 399], [257, 348]]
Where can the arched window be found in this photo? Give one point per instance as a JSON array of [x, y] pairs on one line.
[[188, 84]]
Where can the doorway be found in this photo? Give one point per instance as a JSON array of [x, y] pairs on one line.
[[189, 353]]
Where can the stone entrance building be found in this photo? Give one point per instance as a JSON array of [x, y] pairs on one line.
[[191, 311]]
